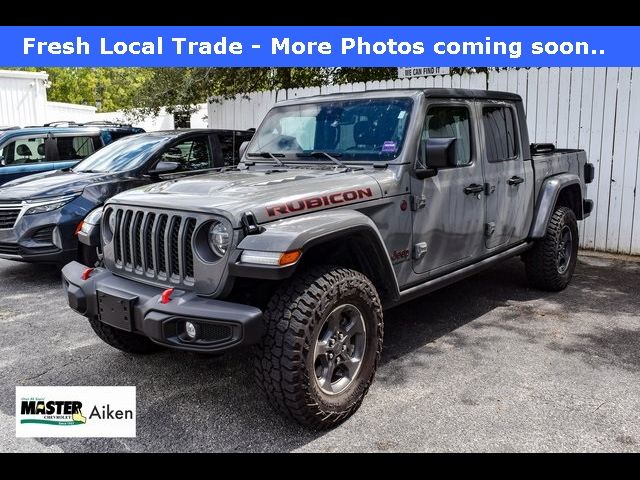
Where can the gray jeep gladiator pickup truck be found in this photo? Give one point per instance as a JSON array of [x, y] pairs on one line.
[[342, 206]]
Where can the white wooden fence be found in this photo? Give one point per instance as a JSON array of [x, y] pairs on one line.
[[597, 109], [59, 111], [23, 98], [152, 123]]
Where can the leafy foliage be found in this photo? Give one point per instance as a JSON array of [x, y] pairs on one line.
[[146, 90], [106, 88], [185, 87]]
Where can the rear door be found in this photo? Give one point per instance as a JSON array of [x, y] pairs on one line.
[[449, 207], [26, 155], [507, 184], [72, 148]]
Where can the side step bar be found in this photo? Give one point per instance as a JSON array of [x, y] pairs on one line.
[[449, 278]]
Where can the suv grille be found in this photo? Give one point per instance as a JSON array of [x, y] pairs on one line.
[[154, 245], [10, 249], [8, 217]]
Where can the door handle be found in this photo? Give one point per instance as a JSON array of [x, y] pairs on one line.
[[515, 180], [473, 188]]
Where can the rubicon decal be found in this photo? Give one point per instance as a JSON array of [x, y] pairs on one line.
[[75, 411], [310, 203]]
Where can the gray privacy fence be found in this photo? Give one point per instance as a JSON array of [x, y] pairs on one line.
[[596, 109]]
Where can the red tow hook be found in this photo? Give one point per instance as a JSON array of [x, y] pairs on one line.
[[87, 273], [166, 295]]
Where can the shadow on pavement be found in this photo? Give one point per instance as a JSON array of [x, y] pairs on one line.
[[199, 403]]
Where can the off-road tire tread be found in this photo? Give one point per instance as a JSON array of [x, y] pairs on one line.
[[540, 261], [279, 361]]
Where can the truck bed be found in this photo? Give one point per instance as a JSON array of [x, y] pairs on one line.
[[557, 161]]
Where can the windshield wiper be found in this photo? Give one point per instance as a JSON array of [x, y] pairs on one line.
[[273, 156], [319, 153]]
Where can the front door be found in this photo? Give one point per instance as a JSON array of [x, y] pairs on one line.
[[507, 184], [193, 154], [449, 207]]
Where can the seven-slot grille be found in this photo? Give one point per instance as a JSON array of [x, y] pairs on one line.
[[154, 244], [8, 216]]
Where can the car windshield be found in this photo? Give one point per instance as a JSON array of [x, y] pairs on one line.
[[372, 129], [125, 154]]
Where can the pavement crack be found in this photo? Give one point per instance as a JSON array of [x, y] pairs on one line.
[[40, 374], [75, 360]]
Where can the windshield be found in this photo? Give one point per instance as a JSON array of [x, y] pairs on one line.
[[372, 129], [128, 153]]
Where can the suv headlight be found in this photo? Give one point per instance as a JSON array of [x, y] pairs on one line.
[[94, 216], [91, 220], [219, 237], [48, 205]]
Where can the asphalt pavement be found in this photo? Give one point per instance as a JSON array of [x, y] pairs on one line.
[[487, 364]]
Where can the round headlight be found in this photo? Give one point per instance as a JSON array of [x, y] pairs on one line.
[[219, 238], [112, 221]]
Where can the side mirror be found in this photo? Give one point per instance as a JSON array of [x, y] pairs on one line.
[[436, 153], [164, 167], [242, 149]]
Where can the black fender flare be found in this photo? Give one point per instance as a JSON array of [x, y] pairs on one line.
[[547, 199], [309, 231]]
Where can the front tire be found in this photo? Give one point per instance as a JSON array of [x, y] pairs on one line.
[[552, 260], [322, 345]]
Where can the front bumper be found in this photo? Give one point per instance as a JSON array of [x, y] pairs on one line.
[[44, 237], [221, 325]]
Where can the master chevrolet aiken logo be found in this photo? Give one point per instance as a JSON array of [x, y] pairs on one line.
[[66, 412], [75, 411]]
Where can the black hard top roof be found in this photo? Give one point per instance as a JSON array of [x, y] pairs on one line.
[[409, 92]]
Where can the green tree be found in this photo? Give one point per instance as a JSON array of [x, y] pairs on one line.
[[107, 89], [181, 88], [141, 91]]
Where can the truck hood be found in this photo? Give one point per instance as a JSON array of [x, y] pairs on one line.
[[270, 195], [50, 184]]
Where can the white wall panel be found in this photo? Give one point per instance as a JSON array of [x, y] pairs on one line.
[[23, 98]]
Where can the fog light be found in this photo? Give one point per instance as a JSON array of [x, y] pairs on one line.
[[190, 329]]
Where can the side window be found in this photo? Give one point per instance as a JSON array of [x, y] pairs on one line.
[[192, 154], [499, 133], [450, 122], [117, 134], [75, 148], [23, 151]]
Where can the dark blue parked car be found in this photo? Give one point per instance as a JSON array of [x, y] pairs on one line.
[[54, 146], [41, 215]]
